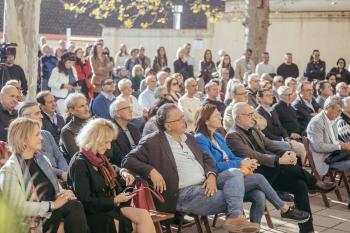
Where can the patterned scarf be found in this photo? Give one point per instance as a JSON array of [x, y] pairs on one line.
[[103, 166]]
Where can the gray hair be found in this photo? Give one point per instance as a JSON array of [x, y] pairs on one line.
[[237, 108], [331, 101], [346, 101], [158, 90], [188, 81], [138, 66], [289, 80], [71, 98], [301, 86], [338, 86], [113, 108], [24, 106], [282, 89], [254, 75], [232, 88], [123, 83], [149, 77]]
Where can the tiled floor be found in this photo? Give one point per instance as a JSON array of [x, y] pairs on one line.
[[335, 219]]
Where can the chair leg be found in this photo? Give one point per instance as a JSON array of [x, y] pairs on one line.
[[158, 227], [215, 220], [268, 218], [168, 229], [337, 192], [206, 224], [198, 223], [346, 182], [325, 200], [182, 216]]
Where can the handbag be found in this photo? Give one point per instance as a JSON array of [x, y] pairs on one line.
[[143, 198]]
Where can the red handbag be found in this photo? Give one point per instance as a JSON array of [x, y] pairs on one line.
[[143, 198]]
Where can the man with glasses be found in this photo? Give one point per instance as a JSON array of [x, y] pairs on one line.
[[8, 102], [341, 90], [276, 83], [100, 105], [305, 104], [324, 90], [78, 109], [185, 175], [147, 97], [128, 136], [276, 164], [189, 103], [212, 91], [253, 87]]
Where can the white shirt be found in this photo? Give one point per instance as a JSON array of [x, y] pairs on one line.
[[137, 110], [262, 68], [188, 168], [189, 107], [147, 99]]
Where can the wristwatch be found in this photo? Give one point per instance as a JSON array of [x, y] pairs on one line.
[[51, 206]]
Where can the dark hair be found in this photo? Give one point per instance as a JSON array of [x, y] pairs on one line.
[[24, 105], [205, 53], [248, 50], [222, 65], [320, 86], [313, 51], [78, 60], [202, 115], [103, 81], [265, 53], [158, 54], [166, 69], [260, 92], [67, 56], [94, 50], [168, 82], [162, 115], [40, 97], [342, 59], [157, 104], [329, 75]]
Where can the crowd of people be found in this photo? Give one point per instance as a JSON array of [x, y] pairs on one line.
[[207, 144]]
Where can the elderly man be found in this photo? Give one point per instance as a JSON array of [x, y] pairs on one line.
[[147, 97], [288, 68], [341, 89], [281, 171], [212, 91], [252, 88], [128, 136], [8, 101], [244, 64], [305, 104], [100, 105], [327, 150], [177, 166], [276, 83], [78, 109], [264, 66], [324, 90], [189, 103], [161, 76], [52, 121], [49, 148]]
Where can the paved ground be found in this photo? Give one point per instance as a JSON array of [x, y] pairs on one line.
[[335, 219]]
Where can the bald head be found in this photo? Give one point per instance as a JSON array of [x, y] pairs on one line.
[[9, 97]]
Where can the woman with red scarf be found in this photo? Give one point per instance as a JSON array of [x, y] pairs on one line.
[[94, 182]]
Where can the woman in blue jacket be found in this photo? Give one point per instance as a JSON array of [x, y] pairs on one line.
[[208, 119]]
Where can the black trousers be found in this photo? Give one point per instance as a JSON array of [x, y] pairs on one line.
[[72, 213], [295, 180]]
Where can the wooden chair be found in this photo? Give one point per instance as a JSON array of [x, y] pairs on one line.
[[266, 214], [197, 220], [331, 173]]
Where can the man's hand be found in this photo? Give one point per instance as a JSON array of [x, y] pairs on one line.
[[345, 146], [254, 164], [129, 178], [209, 185], [288, 158], [295, 136], [157, 180]]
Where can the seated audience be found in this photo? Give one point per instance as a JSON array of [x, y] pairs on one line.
[[277, 165], [8, 102], [288, 68], [52, 121], [173, 89], [324, 90], [264, 66], [305, 104], [277, 82], [147, 97], [94, 182], [137, 75], [78, 110], [341, 90], [100, 105], [49, 147], [252, 88], [132, 60], [208, 121], [212, 91], [292, 83], [315, 68], [340, 72], [181, 64], [327, 150], [330, 77], [128, 136], [17, 84], [244, 64], [27, 172], [161, 76], [343, 123], [266, 81], [187, 177], [189, 103]]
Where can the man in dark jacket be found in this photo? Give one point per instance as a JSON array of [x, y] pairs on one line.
[[252, 88], [8, 101], [288, 68], [52, 121], [186, 176], [128, 135], [305, 104], [316, 68]]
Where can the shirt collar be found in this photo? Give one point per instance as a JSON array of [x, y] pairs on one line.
[[267, 109], [183, 138], [110, 97], [330, 122]]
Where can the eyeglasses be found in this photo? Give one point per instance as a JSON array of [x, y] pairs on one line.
[[129, 107], [243, 93], [109, 83], [175, 84], [180, 119], [251, 115]]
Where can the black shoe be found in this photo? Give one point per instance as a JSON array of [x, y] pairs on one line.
[[323, 187], [285, 196], [295, 214]]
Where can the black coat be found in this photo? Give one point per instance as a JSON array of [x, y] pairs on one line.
[[54, 129], [206, 71], [154, 151], [120, 147], [90, 188], [274, 129], [183, 68], [303, 112], [287, 115], [341, 76], [315, 70]]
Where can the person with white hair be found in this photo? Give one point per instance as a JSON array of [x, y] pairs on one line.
[[161, 76], [47, 63], [252, 88], [181, 64], [147, 97], [341, 89], [8, 102]]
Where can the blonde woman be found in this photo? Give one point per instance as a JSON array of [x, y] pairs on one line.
[[30, 187], [95, 183]]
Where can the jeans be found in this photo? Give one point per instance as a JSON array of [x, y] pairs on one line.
[[228, 198], [343, 165], [257, 188]]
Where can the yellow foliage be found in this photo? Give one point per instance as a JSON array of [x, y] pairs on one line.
[[128, 23], [144, 25]]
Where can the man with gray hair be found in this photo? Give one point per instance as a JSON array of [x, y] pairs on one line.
[[253, 87], [341, 89], [147, 97], [327, 150], [189, 103], [8, 102], [128, 135]]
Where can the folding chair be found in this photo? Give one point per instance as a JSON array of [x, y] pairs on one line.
[[197, 221]]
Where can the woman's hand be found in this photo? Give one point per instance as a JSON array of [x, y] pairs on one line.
[[129, 178], [63, 197], [123, 197], [67, 86]]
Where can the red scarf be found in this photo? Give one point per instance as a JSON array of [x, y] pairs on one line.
[[103, 166]]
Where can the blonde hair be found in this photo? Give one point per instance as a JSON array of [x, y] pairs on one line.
[[20, 130], [96, 132]]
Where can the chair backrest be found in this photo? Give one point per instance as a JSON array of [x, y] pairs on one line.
[[309, 157]]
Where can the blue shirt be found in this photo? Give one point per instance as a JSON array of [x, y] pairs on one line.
[[100, 106], [147, 99]]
